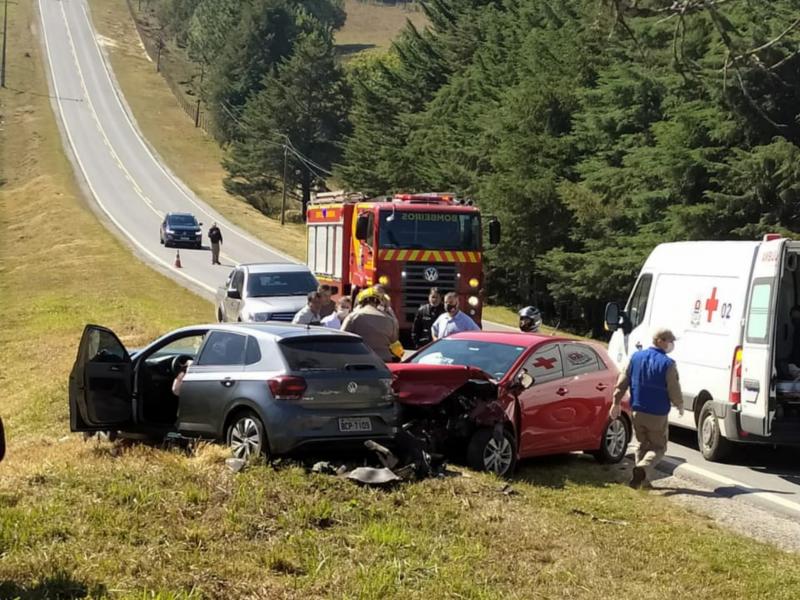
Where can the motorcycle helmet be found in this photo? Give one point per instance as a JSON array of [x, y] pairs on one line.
[[530, 319]]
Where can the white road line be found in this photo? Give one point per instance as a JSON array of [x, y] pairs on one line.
[[157, 162], [727, 481], [86, 175]]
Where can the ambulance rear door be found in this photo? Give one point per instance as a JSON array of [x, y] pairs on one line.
[[758, 357]]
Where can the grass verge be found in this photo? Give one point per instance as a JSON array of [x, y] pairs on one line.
[[373, 26], [96, 520], [191, 154]]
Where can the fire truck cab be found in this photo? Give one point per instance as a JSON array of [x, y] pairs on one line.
[[409, 243]]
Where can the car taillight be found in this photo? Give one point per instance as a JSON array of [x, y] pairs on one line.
[[736, 377], [287, 387]]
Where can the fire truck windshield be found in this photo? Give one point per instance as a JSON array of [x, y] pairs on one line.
[[429, 230]]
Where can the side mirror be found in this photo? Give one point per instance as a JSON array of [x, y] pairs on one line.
[[200, 223], [612, 316], [234, 294], [362, 223], [522, 381], [494, 232]]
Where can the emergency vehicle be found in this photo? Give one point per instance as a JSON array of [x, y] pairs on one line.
[[737, 352], [408, 243]]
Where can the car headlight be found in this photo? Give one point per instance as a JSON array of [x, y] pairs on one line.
[[262, 316], [169, 231], [474, 301], [474, 282]]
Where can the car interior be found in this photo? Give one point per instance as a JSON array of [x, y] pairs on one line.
[[155, 376]]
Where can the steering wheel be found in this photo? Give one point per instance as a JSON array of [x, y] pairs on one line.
[[179, 362]]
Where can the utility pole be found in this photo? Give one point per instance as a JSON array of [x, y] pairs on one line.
[[285, 168], [5, 35]]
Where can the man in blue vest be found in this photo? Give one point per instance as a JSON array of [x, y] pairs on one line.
[[652, 378]]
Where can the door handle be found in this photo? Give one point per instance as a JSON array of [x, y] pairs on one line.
[[601, 386], [227, 382], [562, 391]]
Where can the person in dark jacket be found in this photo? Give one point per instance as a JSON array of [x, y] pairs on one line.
[[425, 317], [215, 237], [652, 378]]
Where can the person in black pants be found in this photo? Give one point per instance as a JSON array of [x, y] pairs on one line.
[[215, 237], [426, 315]]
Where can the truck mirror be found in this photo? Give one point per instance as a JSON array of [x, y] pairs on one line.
[[362, 227], [494, 232], [612, 317], [234, 294]]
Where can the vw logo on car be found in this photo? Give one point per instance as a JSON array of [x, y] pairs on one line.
[[431, 274], [352, 387]]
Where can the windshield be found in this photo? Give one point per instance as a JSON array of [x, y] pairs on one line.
[[182, 221], [430, 230], [495, 359], [280, 284]]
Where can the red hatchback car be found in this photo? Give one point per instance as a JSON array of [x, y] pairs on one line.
[[500, 397]]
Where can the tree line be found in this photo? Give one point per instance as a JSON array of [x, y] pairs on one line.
[[594, 129]]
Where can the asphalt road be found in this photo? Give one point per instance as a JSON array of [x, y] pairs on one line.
[[134, 190]]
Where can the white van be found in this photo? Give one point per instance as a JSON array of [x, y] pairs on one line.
[[729, 305]]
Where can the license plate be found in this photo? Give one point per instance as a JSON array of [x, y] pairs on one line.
[[355, 424]]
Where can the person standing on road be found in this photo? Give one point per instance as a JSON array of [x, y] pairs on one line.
[[328, 306], [377, 328], [453, 320], [215, 237], [652, 378], [335, 319], [309, 314], [425, 318]]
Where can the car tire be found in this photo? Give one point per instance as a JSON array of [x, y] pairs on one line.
[[161, 239], [712, 445], [614, 441], [485, 454], [220, 316], [246, 437], [198, 246]]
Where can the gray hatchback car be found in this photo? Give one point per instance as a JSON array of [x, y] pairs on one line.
[[264, 388]]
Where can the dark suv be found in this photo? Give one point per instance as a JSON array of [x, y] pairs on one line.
[[181, 228]]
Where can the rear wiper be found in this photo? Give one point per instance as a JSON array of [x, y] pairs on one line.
[[359, 367]]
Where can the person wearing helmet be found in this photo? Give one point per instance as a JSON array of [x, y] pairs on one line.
[[530, 319]]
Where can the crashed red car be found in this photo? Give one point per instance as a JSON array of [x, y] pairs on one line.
[[494, 398]]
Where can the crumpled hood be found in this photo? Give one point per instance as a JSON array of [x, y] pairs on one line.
[[422, 385]]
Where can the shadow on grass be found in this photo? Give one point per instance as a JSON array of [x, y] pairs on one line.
[[60, 586], [559, 470], [349, 49]]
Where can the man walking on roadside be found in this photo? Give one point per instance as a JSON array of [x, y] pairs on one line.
[[215, 237], [652, 378], [452, 320]]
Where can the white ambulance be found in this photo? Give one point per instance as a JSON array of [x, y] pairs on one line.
[[738, 354]]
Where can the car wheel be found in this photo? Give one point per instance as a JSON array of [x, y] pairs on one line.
[[712, 445], [161, 239], [485, 453], [220, 316], [198, 246], [246, 436], [615, 440]]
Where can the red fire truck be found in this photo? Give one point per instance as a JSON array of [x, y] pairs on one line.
[[409, 243]]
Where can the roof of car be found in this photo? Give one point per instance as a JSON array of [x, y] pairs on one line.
[[275, 267], [273, 330], [179, 214], [512, 338]]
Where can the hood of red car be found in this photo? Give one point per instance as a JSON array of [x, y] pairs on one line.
[[430, 384]]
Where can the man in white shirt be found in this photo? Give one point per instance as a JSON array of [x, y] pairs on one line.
[[309, 314], [452, 320], [335, 319]]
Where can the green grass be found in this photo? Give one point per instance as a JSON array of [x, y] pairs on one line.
[[371, 26], [128, 520]]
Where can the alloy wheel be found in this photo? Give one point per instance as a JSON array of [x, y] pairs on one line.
[[497, 457], [245, 438], [708, 431], [616, 436]]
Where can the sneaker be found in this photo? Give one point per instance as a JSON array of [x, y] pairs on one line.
[[637, 478]]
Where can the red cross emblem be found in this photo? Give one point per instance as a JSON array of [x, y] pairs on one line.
[[712, 304], [547, 363]]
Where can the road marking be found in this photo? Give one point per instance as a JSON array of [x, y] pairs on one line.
[[86, 174], [204, 209], [727, 481]]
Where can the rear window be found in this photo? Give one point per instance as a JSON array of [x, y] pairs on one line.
[[329, 354]]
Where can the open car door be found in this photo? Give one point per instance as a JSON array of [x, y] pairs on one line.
[[101, 383]]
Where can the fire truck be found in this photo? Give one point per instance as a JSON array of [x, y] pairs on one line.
[[408, 243]]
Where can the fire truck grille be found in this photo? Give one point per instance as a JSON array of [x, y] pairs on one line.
[[421, 277]]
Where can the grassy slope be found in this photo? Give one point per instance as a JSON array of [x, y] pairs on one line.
[[94, 520], [193, 156], [371, 26]]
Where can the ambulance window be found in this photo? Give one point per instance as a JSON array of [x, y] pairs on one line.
[[758, 313], [638, 303]]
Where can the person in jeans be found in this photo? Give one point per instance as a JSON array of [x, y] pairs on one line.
[[215, 237], [452, 320], [652, 378]]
